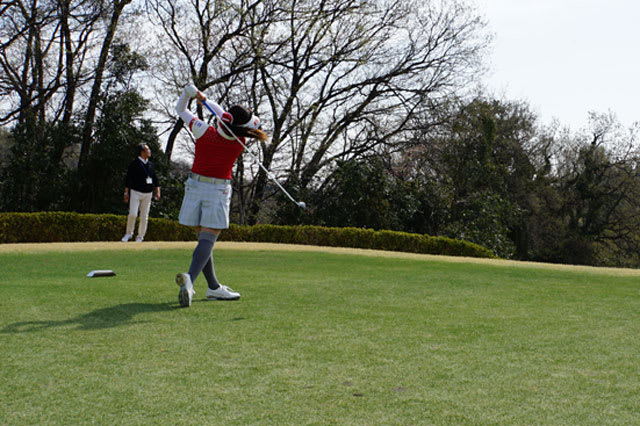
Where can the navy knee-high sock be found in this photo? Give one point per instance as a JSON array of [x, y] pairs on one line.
[[201, 254], [209, 273]]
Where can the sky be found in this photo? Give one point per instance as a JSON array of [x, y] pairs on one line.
[[566, 58]]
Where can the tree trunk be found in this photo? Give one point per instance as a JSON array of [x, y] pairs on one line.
[[87, 131], [178, 125], [261, 185], [68, 53]]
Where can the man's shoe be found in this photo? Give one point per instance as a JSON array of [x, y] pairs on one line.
[[139, 239], [222, 293], [126, 238], [186, 290]]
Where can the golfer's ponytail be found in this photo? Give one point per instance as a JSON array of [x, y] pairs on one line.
[[256, 134]]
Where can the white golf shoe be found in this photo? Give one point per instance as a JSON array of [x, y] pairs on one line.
[[126, 238], [186, 290], [139, 239], [222, 293]]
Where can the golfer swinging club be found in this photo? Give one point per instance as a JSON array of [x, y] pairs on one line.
[[207, 194]]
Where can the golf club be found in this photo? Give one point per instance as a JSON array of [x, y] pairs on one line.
[[300, 204]]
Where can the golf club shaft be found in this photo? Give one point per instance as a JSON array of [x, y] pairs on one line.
[[250, 153]]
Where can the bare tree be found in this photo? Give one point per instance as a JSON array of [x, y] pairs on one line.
[[30, 36], [333, 79], [601, 180], [346, 77], [43, 56], [111, 27], [47, 54], [200, 46]]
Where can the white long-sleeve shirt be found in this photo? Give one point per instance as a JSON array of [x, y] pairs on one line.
[[197, 126]]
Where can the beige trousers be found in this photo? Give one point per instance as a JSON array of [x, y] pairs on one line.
[[138, 201]]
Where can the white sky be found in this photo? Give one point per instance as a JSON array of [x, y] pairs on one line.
[[566, 57]]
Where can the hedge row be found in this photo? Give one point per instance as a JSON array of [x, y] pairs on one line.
[[70, 227]]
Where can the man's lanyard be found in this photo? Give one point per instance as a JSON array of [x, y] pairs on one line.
[[146, 168]]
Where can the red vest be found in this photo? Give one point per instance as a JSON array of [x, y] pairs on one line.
[[215, 155]]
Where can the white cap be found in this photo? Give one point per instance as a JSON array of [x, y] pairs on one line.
[[254, 123]]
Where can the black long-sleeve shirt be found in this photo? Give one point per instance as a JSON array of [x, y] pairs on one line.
[[137, 175]]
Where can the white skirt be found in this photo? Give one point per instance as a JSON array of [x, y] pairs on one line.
[[205, 204]]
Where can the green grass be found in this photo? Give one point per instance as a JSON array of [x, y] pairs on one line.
[[317, 338]]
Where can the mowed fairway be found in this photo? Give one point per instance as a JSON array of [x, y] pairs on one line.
[[317, 338]]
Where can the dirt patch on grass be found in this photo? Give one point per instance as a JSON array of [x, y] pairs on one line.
[[227, 245]]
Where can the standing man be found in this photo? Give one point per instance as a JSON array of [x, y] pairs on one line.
[[139, 185]]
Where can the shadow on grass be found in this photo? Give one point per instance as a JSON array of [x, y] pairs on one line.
[[114, 316]]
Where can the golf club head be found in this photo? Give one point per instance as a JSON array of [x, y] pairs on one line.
[[302, 205]]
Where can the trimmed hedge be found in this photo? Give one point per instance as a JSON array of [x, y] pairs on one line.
[[71, 227]]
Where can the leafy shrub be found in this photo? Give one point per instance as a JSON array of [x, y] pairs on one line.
[[71, 227]]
